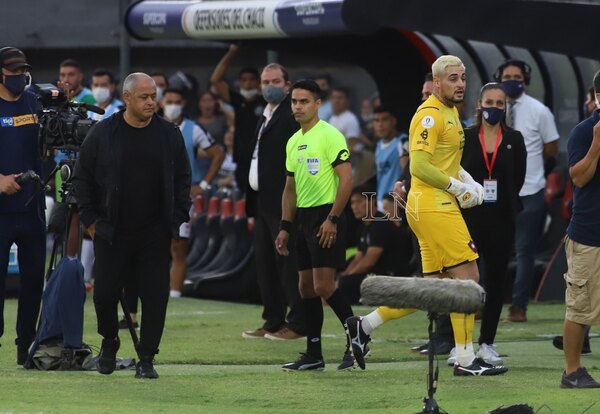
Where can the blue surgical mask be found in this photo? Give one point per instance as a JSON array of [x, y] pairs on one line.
[[492, 115], [15, 83], [513, 88], [273, 94]]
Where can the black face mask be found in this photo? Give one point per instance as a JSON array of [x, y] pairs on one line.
[[492, 115], [15, 83]]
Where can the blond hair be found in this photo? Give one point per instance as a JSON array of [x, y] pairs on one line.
[[438, 69]]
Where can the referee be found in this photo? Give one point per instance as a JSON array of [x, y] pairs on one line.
[[318, 185]]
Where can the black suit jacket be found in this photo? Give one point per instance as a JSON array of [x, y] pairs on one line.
[[271, 160], [509, 169]]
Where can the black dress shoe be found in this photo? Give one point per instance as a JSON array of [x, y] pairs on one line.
[[558, 343], [439, 348]]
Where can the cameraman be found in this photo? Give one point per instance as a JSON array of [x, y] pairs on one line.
[[132, 183], [20, 222]]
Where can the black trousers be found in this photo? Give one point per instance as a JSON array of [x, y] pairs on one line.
[[277, 277], [494, 241], [28, 231], [141, 261]]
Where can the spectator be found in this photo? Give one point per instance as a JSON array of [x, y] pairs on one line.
[[589, 106], [389, 156], [71, 80], [582, 246], [194, 137], [213, 117], [347, 123], [535, 121], [324, 82], [21, 222], [103, 89], [383, 249], [226, 176], [495, 156], [277, 276], [162, 83], [427, 89], [248, 104]]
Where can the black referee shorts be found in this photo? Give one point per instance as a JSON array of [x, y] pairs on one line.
[[310, 254]]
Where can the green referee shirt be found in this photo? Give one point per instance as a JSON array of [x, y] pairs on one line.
[[311, 159]]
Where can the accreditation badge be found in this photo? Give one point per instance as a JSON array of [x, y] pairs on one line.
[[490, 191]]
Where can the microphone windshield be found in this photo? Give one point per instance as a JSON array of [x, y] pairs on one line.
[[427, 294]]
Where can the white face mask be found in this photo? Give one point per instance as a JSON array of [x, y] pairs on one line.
[[101, 94], [159, 93], [249, 93], [172, 111]]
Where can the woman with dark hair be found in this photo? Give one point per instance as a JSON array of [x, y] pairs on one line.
[[214, 119], [495, 156]]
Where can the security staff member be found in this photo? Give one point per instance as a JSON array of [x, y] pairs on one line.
[[20, 223], [132, 181], [318, 185]]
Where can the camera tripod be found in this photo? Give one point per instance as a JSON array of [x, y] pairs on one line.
[[61, 242], [430, 405]]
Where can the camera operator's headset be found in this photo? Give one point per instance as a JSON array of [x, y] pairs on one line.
[[2, 53], [525, 68]]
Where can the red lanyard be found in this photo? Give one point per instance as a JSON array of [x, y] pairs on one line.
[[488, 164]]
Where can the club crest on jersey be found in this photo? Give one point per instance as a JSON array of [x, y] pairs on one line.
[[427, 122], [313, 165]]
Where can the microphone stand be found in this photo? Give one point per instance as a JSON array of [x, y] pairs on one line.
[[430, 405]]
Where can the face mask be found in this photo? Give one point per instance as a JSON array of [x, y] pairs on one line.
[[159, 93], [492, 115], [101, 94], [15, 83], [172, 111], [248, 93], [273, 94], [513, 88]]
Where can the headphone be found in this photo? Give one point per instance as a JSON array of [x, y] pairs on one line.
[[525, 68], [2, 52]]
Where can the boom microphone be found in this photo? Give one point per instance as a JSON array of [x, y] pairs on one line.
[[428, 294]]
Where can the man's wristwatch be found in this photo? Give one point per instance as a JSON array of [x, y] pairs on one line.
[[204, 185], [333, 219]]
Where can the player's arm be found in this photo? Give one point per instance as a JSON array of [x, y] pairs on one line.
[[584, 170], [357, 257], [218, 75], [288, 213], [422, 168], [367, 261]]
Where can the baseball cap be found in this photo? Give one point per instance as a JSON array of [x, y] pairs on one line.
[[13, 58]]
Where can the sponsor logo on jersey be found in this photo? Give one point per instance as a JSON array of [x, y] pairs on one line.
[[301, 147], [313, 165], [343, 155]]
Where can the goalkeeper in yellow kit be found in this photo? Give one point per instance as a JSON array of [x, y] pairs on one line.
[[439, 187]]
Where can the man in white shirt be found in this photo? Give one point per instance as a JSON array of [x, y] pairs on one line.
[[535, 121], [345, 121], [277, 275]]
